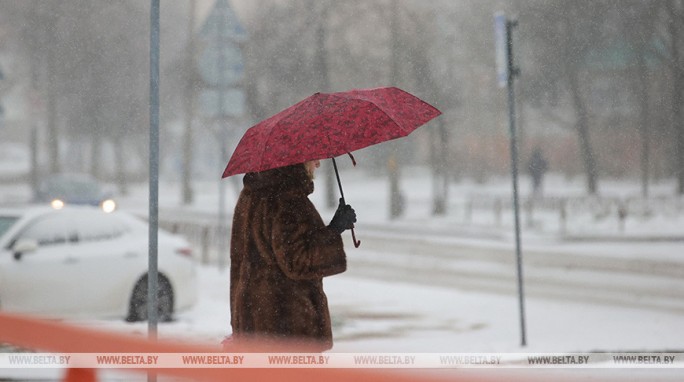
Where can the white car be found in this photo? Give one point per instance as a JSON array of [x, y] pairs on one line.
[[79, 262]]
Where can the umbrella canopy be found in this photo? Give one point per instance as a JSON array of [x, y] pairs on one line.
[[326, 125]]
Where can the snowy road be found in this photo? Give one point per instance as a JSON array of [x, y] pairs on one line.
[[648, 282], [629, 273]]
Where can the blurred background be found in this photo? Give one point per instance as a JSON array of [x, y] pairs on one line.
[[599, 103], [600, 89]]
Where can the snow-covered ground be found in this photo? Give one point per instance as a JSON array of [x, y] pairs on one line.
[[397, 317], [381, 316], [388, 314]]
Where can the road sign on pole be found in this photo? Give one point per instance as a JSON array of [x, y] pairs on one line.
[[221, 64], [506, 73], [501, 49], [222, 99], [224, 21], [233, 66]]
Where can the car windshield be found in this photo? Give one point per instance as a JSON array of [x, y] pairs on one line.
[[72, 187], [6, 222]]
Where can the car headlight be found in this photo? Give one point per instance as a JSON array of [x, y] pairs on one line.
[[57, 204], [108, 206]]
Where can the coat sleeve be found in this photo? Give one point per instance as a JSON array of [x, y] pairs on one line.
[[304, 247]]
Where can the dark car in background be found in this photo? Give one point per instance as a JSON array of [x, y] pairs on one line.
[[74, 189]]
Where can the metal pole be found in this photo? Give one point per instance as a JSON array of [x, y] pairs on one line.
[[154, 171], [512, 73], [220, 40], [188, 103], [152, 300]]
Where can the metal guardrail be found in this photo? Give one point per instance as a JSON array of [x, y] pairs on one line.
[[203, 236], [555, 214], [594, 209]]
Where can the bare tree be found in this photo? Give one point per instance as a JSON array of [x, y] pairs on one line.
[[439, 137], [303, 46], [35, 25], [51, 57], [322, 71], [637, 23], [561, 46], [89, 61], [674, 10], [187, 194], [24, 40]]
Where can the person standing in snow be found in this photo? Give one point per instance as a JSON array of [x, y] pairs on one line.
[[280, 251], [537, 167]]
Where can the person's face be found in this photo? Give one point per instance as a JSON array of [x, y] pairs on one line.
[[311, 167]]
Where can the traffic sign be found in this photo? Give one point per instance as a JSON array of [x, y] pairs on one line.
[[221, 64], [233, 67], [501, 45], [223, 21], [233, 103]]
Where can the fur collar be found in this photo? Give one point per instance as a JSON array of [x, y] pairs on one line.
[[279, 180]]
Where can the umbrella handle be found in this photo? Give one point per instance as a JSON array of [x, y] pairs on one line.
[[357, 243], [339, 183]]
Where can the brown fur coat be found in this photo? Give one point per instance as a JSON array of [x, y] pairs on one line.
[[280, 251]]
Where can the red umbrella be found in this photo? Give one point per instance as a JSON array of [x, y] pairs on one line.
[[326, 125]]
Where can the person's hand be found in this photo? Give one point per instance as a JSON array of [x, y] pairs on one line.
[[344, 218]]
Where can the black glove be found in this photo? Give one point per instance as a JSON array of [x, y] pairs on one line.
[[344, 218]]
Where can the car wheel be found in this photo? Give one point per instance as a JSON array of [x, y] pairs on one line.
[[137, 310]]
